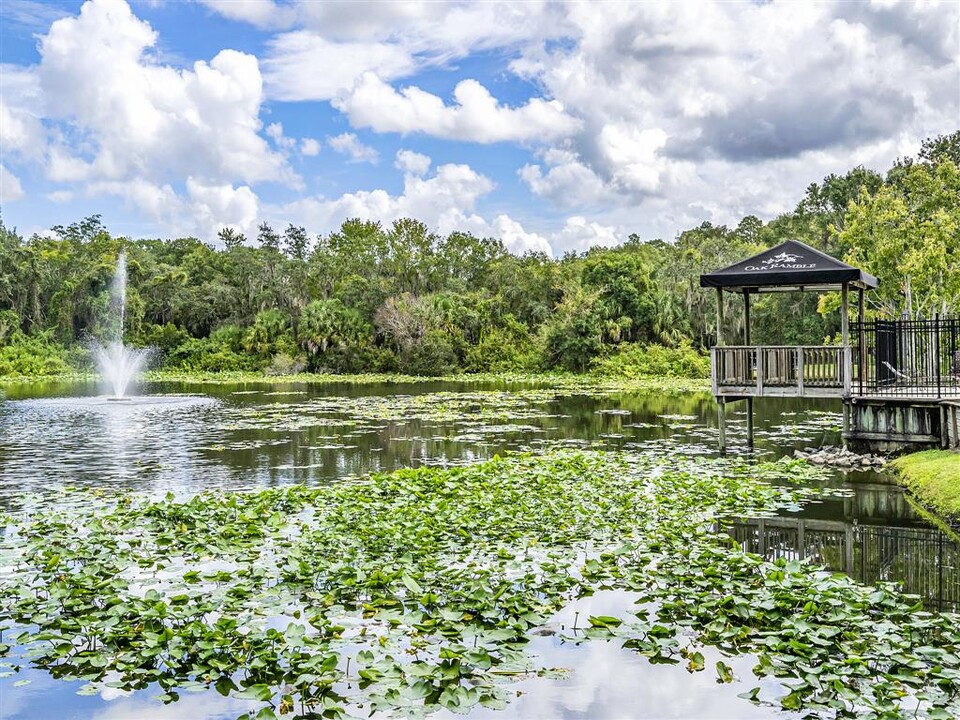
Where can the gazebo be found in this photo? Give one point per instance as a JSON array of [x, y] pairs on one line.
[[743, 372]]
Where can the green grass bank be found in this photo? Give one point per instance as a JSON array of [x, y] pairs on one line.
[[568, 381], [933, 476]]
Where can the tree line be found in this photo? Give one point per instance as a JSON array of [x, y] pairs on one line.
[[377, 298]]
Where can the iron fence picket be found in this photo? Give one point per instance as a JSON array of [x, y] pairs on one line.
[[908, 358]]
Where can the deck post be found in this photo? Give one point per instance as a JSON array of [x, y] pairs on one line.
[[721, 402], [760, 357], [936, 353], [714, 371], [861, 344], [722, 422], [746, 341], [845, 337], [719, 316], [746, 317], [800, 371]]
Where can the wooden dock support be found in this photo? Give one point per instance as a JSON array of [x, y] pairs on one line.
[[750, 421], [944, 426], [955, 442], [722, 422]]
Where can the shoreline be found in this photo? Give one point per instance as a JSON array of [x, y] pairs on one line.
[[932, 478], [611, 383]]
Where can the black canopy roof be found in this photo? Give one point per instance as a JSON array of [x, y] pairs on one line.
[[790, 265]]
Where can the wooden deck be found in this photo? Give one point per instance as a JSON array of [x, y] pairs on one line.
[[879, 415], [741, 371], [819, 371]]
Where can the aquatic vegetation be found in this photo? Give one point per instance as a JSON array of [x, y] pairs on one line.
[[481, 411], [419, 589], [559, 380], [446, 406]]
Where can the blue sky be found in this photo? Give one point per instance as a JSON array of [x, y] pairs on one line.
[[554, 126]]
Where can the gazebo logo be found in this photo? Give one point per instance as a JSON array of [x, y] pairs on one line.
[[782, 261], [783, 258]]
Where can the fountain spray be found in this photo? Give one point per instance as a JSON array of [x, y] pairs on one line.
[[117, 363]]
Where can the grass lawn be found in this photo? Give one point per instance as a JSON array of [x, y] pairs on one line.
[[934, 477]]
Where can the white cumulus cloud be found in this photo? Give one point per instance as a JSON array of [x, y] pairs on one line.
[[305, 66], [568, 181], [10, 187], [309, 147], [580, 234], [201, 211], [262, 13], [445, 201], [477, 116], [349, 144], [141, 119], [412, 162], [275, 131], [213, 207], [516, 239], [330, 44]]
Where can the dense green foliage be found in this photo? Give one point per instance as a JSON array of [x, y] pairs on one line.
[[635, 362], [415, 590], [368, 298], [32, 356]]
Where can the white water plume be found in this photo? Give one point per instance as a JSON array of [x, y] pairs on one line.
[[117, 363]]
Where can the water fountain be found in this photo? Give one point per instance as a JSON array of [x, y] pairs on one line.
[[117, 363]]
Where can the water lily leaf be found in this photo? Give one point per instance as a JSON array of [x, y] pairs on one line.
[[792, 701], [604, 621], [411, 584], [724, 672], [256, 692], [225, 685], [696, 662]]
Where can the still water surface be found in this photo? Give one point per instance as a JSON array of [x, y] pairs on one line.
[[182, 438]]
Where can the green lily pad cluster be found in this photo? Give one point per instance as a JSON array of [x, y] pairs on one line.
[[367, 411], [407, 592]]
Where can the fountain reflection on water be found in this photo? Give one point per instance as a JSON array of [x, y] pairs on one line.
[[118, 364]]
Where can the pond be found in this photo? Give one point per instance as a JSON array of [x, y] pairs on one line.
[[182, 438], [186, 437]]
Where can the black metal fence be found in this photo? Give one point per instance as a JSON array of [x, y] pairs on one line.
[[924, 560], [910, 358]]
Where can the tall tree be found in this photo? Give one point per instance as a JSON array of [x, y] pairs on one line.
[[908, 233], [231, 238]]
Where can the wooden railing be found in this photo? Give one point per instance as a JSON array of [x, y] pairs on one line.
[[756, 370]]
